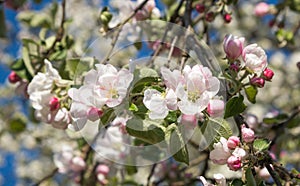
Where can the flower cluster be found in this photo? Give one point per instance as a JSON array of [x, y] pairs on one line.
[[189, 91], [45, 101], [252, 59], [68, 163], [230, 151], [103, 86]]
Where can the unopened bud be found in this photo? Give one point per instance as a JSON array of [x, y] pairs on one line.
[[258, 82], [13, 77], [54, 104]]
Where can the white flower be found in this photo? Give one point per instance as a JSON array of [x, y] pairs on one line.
[[103, 86], [221, 153], [40, 95], [199, 87], [158, 103], [255, 58], [239, 152], [62, 159], [220, 179]]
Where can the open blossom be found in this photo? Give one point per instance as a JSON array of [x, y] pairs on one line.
[[220, 179], [46, 104], [199, 86], [221, 153], [255, 58], [159, 103], [233, 46], [261, 9], [103, 86]]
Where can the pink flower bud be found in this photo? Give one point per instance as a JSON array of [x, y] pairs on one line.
[[233, 142], [233, 46], [94, 114], [247, 134], [261, 9], [189, 120], [268, 74], [234, 67], [234, 163], [14, 78], [77, 164], [54, 104], [102, 169], [252, 121], [210, 16], [200, 8], [227, 18], [215, 108], [258, 82]]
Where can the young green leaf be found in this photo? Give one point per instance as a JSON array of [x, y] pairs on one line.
[[250, 178], [261, 145], [251, 93], [234, 106]]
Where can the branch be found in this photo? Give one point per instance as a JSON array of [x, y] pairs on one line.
[[273, 174], [46, 177], [151, 174], [119, 29]]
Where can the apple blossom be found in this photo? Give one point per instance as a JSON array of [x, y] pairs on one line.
[[197, 90], [103, 169], [252, 121], [77, 164], [45, 103], [200, 8], [204, 182], [63, 158], [159, 103], [233, 46], [255, 58], [227, 18], [220, 179], [247, 134], [239, 152], [215, 107], [190, 120], [103, 86], [233, 142], [221, 153], [13, 77], [258, 82], [268, 74], [121, 123], [234, 163], [261, 9]]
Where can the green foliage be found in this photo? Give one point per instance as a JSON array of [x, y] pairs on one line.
[[19, 67], [214, 129], [2, 23], [178, 147], [237, 182], [147, 130], [276, 120], [108, 116], [251, 93], [17, 124], [250, 178], [234, 106], [261, 145]]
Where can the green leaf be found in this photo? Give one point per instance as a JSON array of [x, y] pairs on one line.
[[276, 120], [234, 106], [133, 107], [177, 145], [71, 66], [146, 130], [251, 93], [131, 169], [58, 55], [250, 178], [214, 130], [27, 61], [237, 182], [147, 72], [25, 16], [171, 117], [108, 116], [17, 125], [40, 20], [261, 145], [143, 82], [19, 67], [294, 5]]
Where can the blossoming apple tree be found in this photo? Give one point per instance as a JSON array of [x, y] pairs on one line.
[[167, 93]]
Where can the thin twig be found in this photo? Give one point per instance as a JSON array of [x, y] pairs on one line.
[[119, 28], [46, 177], [273, 174], [151, 174]]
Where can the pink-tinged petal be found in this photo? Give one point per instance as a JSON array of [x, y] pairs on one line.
[[171, 79], [171, 99], [91, 77]]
